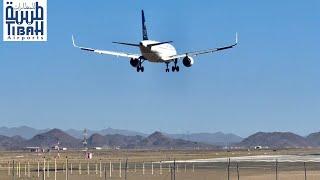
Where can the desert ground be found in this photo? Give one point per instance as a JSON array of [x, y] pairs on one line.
[[290, 164]]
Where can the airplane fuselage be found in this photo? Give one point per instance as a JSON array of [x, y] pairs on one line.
[[158, 53]]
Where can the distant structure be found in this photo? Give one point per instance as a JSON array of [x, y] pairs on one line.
[[84, 142], [33, 149], [56, 146]]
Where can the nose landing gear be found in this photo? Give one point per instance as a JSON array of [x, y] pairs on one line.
[[167, 70]]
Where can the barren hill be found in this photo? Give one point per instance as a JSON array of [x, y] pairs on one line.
[[52, 137], [314, 138], [10, 143], [115, 140], [275, 140]]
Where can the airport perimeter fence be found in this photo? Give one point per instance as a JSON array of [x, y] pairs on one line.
[[76, 169]]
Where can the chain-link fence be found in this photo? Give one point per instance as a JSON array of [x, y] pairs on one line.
[[79, 169]]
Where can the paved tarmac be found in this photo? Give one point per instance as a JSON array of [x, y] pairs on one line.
[[259, 158]]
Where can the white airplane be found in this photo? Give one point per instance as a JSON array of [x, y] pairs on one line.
[[156, 52]]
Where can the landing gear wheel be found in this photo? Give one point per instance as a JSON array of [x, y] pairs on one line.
[[177, 68], [167, 70], [140, 68]]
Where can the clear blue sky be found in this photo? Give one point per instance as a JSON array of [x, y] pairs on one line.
[[270, 82]]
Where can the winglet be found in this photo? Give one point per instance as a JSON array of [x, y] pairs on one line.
[[74, 44], [237, 38]]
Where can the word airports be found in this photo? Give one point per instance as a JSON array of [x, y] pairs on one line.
[[25, 20]]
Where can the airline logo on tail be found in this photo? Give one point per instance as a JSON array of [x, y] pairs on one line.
[[144, 27]]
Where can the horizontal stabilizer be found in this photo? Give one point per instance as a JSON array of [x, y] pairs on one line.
[[127, 44], [156, 44]]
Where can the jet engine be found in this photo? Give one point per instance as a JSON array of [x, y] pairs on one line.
[[188, 61], [134, 62]]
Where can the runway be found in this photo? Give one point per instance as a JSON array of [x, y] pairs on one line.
[[258, 158]]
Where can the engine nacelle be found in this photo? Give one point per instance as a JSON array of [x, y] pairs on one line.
[[187, 61], [134, 62]]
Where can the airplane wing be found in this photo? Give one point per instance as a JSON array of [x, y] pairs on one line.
[[113, 53], [197, 53]]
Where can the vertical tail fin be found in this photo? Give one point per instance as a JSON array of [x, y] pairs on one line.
[[144, 27]]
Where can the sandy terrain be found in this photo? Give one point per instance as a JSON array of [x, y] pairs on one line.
[[146, 165]]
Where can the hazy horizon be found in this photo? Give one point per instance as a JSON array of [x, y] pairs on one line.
[[152, 131]]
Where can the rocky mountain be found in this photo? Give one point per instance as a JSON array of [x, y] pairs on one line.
[[109, 131], [52, 137], [10, 143], [104, 138], [159, 140], [23, 131], [314, 138], [218, 138], [97, 140], [115, 140], [275, 140], [155, 140]]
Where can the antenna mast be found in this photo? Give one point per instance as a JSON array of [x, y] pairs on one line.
[[84, 142]]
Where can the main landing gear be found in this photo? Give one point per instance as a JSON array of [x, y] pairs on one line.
[[140, 67], [175, 67]]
